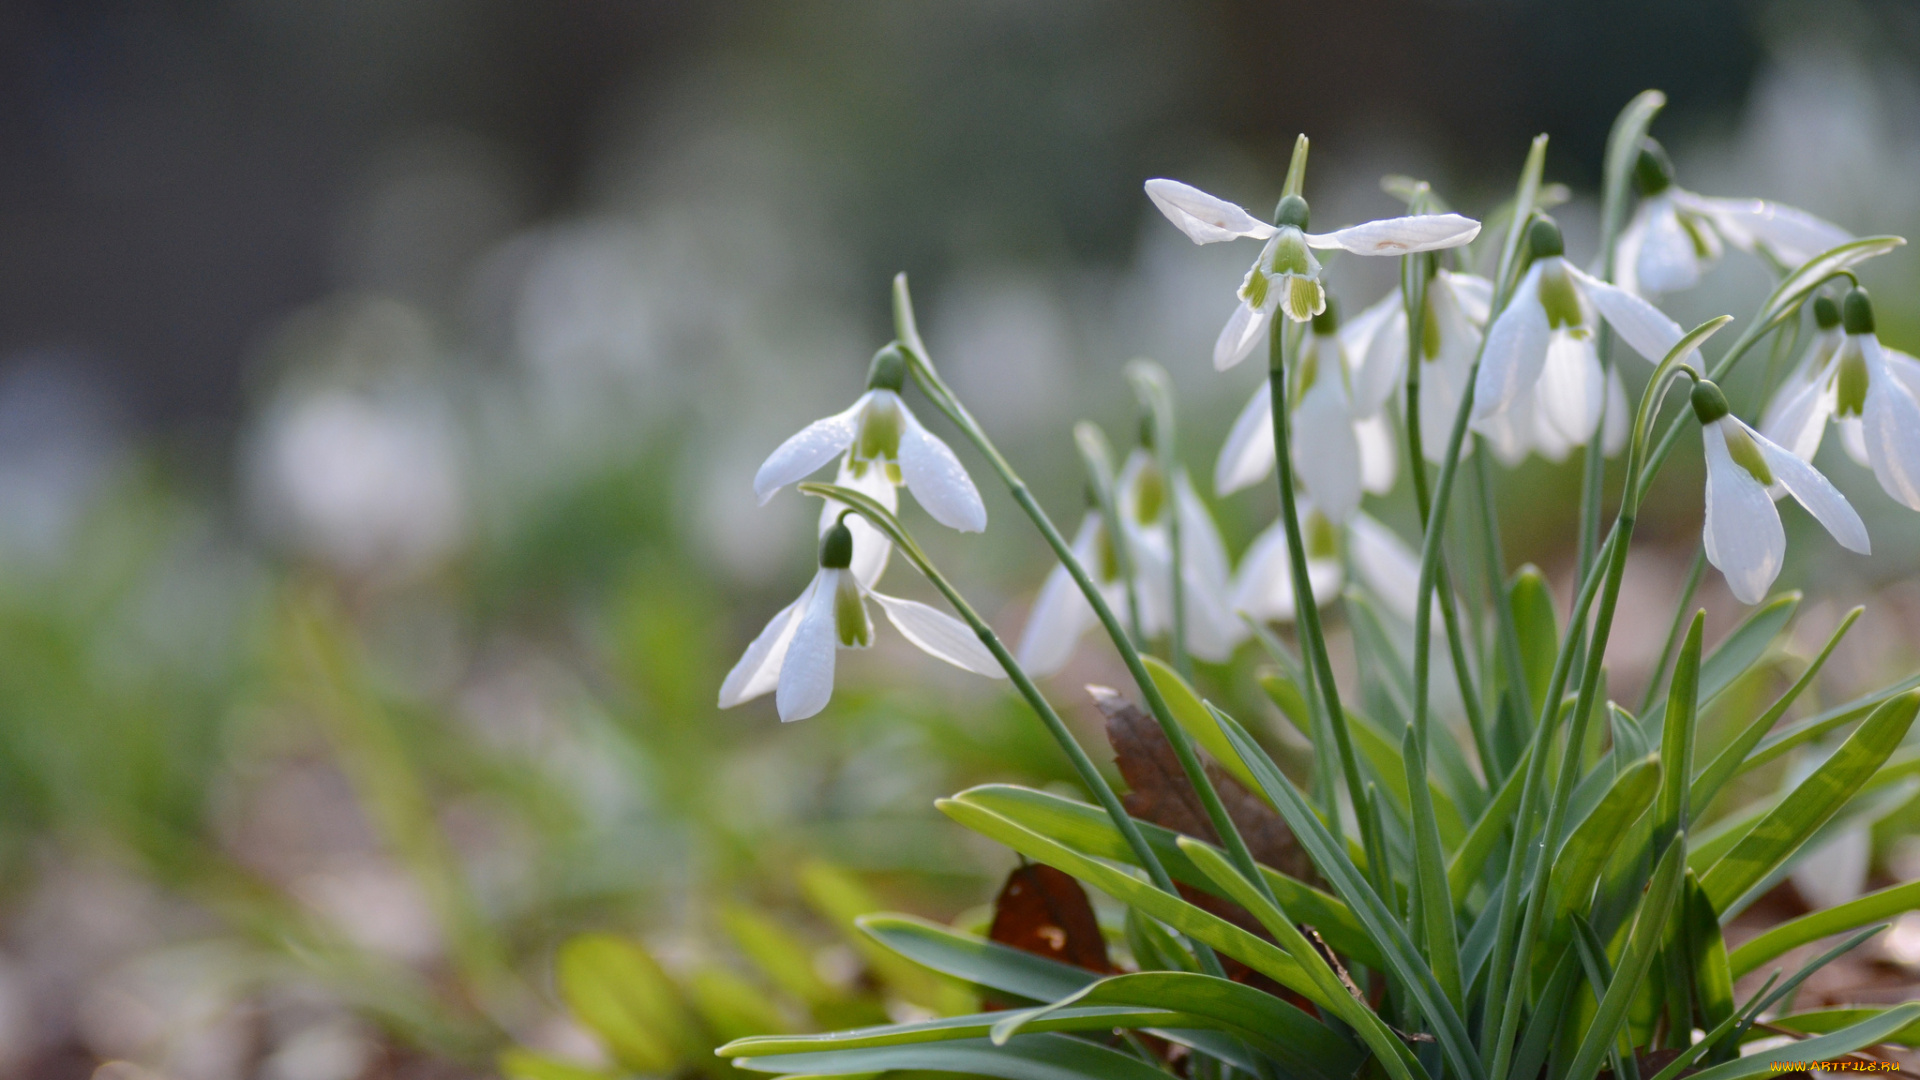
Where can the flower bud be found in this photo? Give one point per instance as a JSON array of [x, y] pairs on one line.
[[1543, 239], [1856, 311], [836, 546], [889, 368], [1327, 323], [1653, 172], [1709, 404], [1291, 211], [1826, 313]]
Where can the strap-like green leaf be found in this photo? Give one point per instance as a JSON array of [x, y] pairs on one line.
[[1730, 760], [1825, 1048], [975, 959], [1388, 934], [1745, 647], [1585, 853], [1086, 828], [1822, 1021], [1649, 927], [1706, 956], [1816, 726], [1390, 769], [1029, 1057], [1797, 286], [1194, 717], [1872, 907], [1818, 798], [1300, 1043], [1676, 738], [1257, 953]]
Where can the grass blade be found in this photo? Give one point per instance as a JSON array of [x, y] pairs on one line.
[[1872, 907]]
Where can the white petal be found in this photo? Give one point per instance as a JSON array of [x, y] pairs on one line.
[[1472, 292], [813, 446], [1263, 588], [1205, 219], [1200, 544], [1441, 385], [1516, 349], [939, 635], [1387, 564], [1152, 578], [1641, 325], [1742, 532], [1626, 252], [1212, 628], [1618, 420], [1401, 235], [1835, 873], [1890, 425], [806, 678], [1853, 439], [1548, 442], [938, 481], [1794, 236], [1904, 367], [1247, 455], [1813, 491], [1325, 452], [759, 667], [1509, 432], [1061, 614], [1797, 419], [1358, 334], [1572, 386], [1245, 328], [1666, 260], [1379, 456], [1383, 364], [870, 546]]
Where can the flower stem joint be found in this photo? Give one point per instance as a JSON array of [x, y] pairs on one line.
[[836, 546], [889, 368], [1856, 311], [1291, 211], [1653, 171], [1543, 238], [1826, 313]]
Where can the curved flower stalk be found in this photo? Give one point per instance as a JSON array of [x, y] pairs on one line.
[[1540, 354], [1061, 613], [1872, 393], [1286, 276], [794, 655], [879, 433], [1263, 585], [1676, 236], [1746, 472], [1343, 444]]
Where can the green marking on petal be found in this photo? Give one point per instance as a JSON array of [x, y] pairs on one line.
[[850, 621], [1850, 389], [1304, 297], [1430, 330], [1557, 295], [1290, 254], [1323, 540], [879, 435], [1254, 288], [1702, 247], [1149, 495], [1746, 453]]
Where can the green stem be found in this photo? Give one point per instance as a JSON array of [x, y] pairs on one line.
[[1504, 628], [1659, 676], [1313, 644], [1099, 461]]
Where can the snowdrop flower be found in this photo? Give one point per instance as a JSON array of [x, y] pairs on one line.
[[1746, 472], [1342, 445], [794, 655], [1286, 276], [1675, 235], [1455, 319], [1524, 428], [1263, 586], [1542, 345], [879, 433], [1873, 392], [1797, 416], [1061, 613]]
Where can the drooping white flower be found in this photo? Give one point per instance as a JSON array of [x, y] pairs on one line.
[[880, 433], [1061, 613], [1543, 344], [1675, 236], [1263, 585], [1871, 391], [1523, 428], [794, 655], [1286, 276], [1455, 319], [1746, 472], [1797, 416], [1341, 446]]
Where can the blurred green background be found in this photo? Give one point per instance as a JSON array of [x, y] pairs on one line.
[[381, 385]]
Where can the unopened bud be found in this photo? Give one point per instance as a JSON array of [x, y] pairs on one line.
[[1543, 239], [889, 368], [1709, 404], [1826, 313], [1291, 211], [836, 547], [1653, 172], [1856, 311]]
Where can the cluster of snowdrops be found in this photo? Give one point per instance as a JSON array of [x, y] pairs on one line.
[[1479, 950]]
